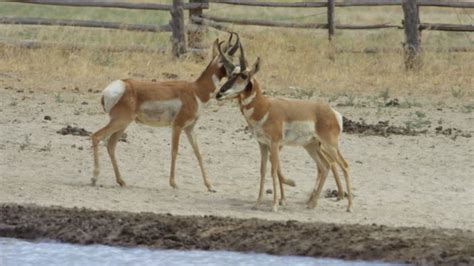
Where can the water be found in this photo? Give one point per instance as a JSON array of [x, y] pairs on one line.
[[15, 252]]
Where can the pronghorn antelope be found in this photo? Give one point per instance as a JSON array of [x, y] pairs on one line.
[[177, 104], [276, 122]]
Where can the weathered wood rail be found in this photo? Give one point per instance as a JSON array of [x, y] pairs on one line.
[[176, 24]]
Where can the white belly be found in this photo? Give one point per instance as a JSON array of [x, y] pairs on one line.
[[159, 113], [298, 133]]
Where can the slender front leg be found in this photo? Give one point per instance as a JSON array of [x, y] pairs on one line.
[[174, 153], [192, 140], [274, 158], [263, 171]]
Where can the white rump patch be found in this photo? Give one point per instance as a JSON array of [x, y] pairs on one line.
[[112, 94], [339, 119]]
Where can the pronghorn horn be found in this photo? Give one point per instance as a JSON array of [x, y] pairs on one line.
[[236, 45], [242, 59], [227, 63]]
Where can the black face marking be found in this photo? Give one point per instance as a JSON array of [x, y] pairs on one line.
[[228, 84]]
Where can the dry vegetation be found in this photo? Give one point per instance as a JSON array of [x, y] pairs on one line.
[[291, 58]]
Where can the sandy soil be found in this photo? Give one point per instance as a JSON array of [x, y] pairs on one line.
[[424, 180]]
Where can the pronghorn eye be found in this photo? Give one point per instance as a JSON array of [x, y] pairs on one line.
[[244, 76]]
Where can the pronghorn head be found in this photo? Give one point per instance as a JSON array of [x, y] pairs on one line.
[[227, 49], [239, 78]]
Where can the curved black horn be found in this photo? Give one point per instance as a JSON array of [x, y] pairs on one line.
[[242, 59], [236, 45], [227, 63]]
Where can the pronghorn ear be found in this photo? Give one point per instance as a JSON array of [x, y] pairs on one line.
[[215, 49], [255, 67]]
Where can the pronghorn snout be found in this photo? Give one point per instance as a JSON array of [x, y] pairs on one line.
[[219, 96]]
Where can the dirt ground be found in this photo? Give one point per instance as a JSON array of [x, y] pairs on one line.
[[356, 242], [423, 181]]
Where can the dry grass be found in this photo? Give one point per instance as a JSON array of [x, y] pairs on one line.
[[291, 58]]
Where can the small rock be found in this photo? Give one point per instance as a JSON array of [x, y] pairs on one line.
[[47, 117], [269, 191]]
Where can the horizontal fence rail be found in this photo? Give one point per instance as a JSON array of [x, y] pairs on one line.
[[83, 23], [347, 3], [445, 27], [107, 4], [258, 22]]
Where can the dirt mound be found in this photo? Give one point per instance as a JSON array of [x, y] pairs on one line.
[[352, 242], [452, 132], [72, 130], [382, 128], [77, 131]]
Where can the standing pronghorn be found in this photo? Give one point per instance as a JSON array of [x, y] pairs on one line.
[[168, 103], [275, 122]]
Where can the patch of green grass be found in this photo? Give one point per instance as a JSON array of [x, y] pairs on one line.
[[418, 121], [409, 104], [457, 93], [467, 109], [385, 94], [58, 98]]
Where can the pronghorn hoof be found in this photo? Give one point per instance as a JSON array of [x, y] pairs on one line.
[[121, 183], [349, 209], [275, 208], [211, 189], [173, 185], [255, 207], [282, 202], [93, 181]]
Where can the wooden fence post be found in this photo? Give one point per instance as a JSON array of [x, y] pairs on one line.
[[178, 38], [331, 30], [412, 35], [197, 30]]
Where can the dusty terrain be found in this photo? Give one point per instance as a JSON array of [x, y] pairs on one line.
[[422, 181]]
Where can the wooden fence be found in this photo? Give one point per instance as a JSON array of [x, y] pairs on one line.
[[410, 22], [176, 24]]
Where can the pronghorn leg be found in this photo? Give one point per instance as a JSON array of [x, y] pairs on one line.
[[281, 181], [282, 178], [263, 171], [274, 158], [174, 153], [340, 190], [111, 144], [333, 153], [192, 140], [345, 169], [112, 127], [323, 170]]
